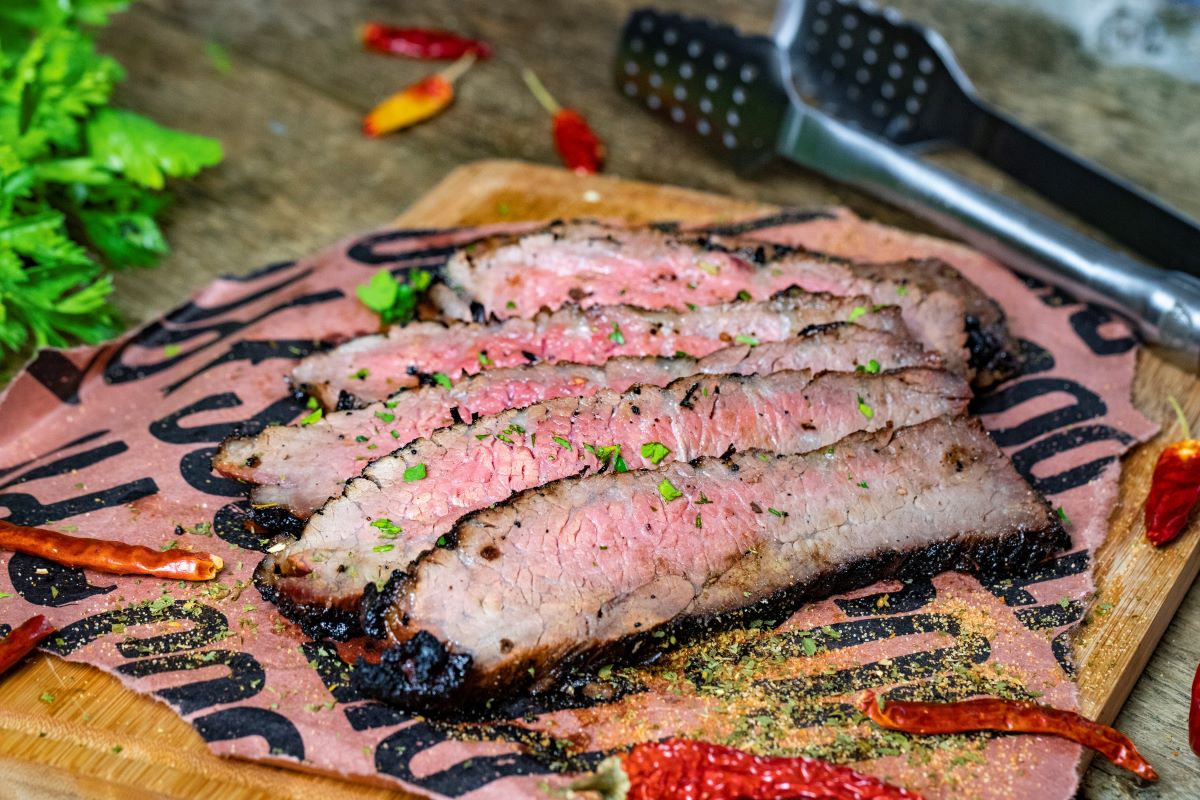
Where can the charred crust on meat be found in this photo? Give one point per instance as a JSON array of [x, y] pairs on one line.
[[686, 402], [276, 520], [478, 312], [253, 461], [528, 356], [375, 603], [414, 674], [637, 412], [317, 622], [346, 401], [454, 415], [576, 293]]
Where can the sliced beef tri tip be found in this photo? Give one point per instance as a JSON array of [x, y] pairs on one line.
[[588, 263], [406, 503], [579, 572], [297, 468], [373, 367]]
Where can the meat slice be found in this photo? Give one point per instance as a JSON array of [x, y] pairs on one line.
[[373, 367], [589, 263], [403, 503], [297, 468], [579, 571]]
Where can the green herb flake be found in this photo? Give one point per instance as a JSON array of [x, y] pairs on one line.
[[699, 522], [383, 548], [314, 417], [1062, 514], [395, 434], [441, 541], [655, 452], [393, 301], [387, 528], [616, 335], [742, 338], [744, 296], [1065, 602], [809, 645], [385, 416], [668, 490], [561, 442], [871, 367], [46, 698], [510, 305], [414, 473], [777, 512], [171, 350], [902, 290], [865, 409], [442, 379], [218, 57], [484, 361], [703, 501], [855, 313], [709, 267], [361, 375], [168, 546], [360, 438]]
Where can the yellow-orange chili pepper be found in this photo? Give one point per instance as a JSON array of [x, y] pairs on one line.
[[426, 98]]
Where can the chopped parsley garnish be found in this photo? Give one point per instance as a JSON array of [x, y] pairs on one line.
[[777, 512], [609, 454], [744, 295], [313, 417], [442, 379], [441, 541], [171, 350], [864, 485], [482, 436], [383, 548], [46, 697], [855, 313], [360, 438], [386, 416], [691, 306], [395, 434], [312, 403], [742, 338], [703, 501], [902, 290], [361, 374], [699, 522], [483, 358], [561, 442], [1062, 514], [390, 403], [709, 267], [668, 490], [414, 473], [616, 334], [871, 367], [655, 452], [387, 528], [809, 645], [510, 305], [865, 409], [393, 301], [681, 354]]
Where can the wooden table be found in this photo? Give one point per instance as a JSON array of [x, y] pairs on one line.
[[298, 174]]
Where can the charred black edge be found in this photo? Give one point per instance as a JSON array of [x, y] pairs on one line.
[[347, 401], [390, 681], [317, 622], [277, 520]]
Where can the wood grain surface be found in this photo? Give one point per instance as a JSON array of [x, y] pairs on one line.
[[299, 175]]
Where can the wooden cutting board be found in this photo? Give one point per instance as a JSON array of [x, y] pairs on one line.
[[100, 740]]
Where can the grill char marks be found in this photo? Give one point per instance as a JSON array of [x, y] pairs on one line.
[[552, 599], [588, 263], [297, 468], [382, 521], [373, 367]]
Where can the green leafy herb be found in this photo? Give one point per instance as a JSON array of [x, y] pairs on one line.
[[902, 290], [442, 379], [865, 409], [777, 512], [387, 528], [742, 338], [483, 359], [79, 181], [171, 350], [360, 438], [616, 334], [871, 367], [393, 301], [563, 443], [699, 522], [383, 548], [218, 56], [46, 697], [855, 313], [744, 296], [313, 417], [386, 416], [809, 645], [414, 473], [668, 490], [1062, 514], [655, 452], [361, 374]]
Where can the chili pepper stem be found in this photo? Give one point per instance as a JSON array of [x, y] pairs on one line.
[[456, 70], [1179, 415], [540, 91], [609, 780]]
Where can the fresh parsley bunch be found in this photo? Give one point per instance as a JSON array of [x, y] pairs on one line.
[[80, 182]]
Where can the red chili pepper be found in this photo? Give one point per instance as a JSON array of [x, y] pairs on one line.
[[1014, 716], [1175, 486], [422, 43], [578, 145], [105, 555], [22, 639], [1194, 715], [683, 769], [426, 98]]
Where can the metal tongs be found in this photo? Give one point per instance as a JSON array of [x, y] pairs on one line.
[[745, 95]]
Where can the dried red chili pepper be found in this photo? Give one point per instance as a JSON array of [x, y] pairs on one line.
[[105, 555], [1175, 487], [578, 145], [684, 768], [423, 43], [1013, 716], [1194, 715], [418, 102], [22, 639]]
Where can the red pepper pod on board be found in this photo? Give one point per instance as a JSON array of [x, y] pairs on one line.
[[22, 639], [1175, 486], [682, 769], [104, 555], [577, 144], [422, 43], [1010, 716]]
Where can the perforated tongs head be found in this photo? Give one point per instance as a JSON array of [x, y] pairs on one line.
[[725, 87]]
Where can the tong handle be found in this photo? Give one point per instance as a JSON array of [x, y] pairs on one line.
[[1111, 204], [1164, 305]]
